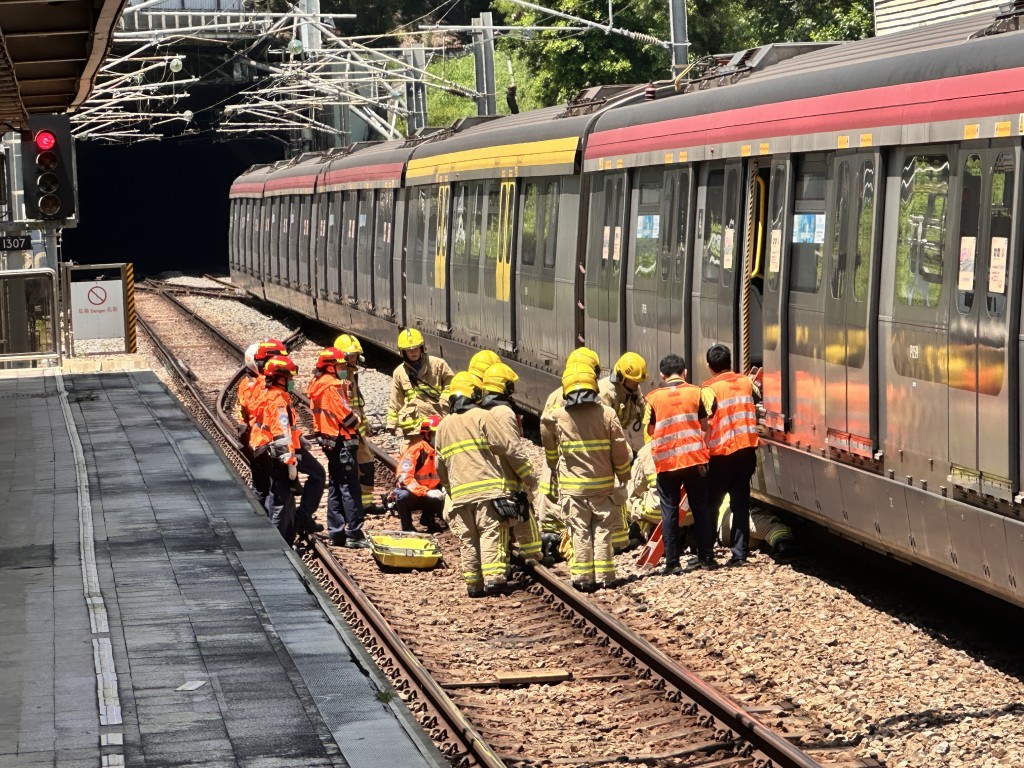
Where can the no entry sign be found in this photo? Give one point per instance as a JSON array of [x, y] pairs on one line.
[[97, 309]]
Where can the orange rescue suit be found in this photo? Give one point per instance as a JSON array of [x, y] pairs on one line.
[[332, 416], [273, 419], [417, 469]]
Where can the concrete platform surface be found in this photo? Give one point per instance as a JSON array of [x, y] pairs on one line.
[[149, 613]]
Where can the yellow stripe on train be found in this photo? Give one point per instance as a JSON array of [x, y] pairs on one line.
[[533, 153]]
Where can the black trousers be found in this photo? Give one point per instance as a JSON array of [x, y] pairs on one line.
[[731, 475], [670, 491]]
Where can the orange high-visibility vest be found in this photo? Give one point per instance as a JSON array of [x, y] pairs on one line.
[[678, 440], [332, 416], [734, 425], [273, 420], [417, 469]]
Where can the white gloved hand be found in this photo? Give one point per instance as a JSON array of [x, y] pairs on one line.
[[435, 493]]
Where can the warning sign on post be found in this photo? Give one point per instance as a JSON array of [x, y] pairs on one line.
[[97, 310]]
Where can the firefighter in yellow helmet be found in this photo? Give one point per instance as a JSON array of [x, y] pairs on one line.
[[620, 391], [353, 350], [418, 384], [473, 461], [587, 451], [498, 384], [480, 362]]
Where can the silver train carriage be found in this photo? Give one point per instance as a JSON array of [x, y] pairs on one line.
[[847, 216]]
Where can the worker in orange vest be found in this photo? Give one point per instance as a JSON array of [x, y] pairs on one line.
[[417, 485], [678, 416], [337, 431], [732, 442], [275, 442]]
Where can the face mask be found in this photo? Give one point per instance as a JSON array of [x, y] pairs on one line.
[[291, 385], [342, 374]]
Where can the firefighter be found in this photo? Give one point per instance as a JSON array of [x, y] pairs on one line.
[[678, 415], [732, 443], [469, 462], [336, 426], [644, 505], [556, 400], [498, 384], [274, 440], [480, 362], [251, 391], [418, 384], [620, 391], [364, 457], [417, 485], [585, 446], [765, 528]]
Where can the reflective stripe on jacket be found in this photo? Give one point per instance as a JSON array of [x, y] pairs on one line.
[[417, 469], [469, 458], [734, 425], [332, 416], [586, 448], [678, 439], [628, 407], [415, 395]]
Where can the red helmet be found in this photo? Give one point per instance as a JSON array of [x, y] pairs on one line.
[[429, 424], [280, 365], [267, 348], [330, 356]]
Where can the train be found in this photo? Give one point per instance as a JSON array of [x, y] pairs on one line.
[[845, 216]]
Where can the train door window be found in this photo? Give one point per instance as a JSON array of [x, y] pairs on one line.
[[531, 218], [865, 188], [364, 226], [776, 212], [418, 218], [681, 230], [808, 238], [713, 234], [460, 237], [840, 229], [730, 218], [383, 225], [1000, 217], [492, 240], [921, 241], [671, 218], [548, 234], [282, 242], [970, 229], [647, 233]]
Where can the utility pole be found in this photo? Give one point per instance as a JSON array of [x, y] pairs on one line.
[[487, 22], [415, 90], [478, 66], [680, 42]]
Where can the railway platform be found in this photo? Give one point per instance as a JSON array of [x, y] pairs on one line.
[[151, 616]]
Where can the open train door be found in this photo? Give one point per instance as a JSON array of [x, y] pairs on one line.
[[983, 446]]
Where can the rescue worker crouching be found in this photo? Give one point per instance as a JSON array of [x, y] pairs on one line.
[[585, 446], [417, 485], [469, 463], [353, 350], [336, 427], [498, 384], [275, 443], [732, 443], [418, 384], [644, 504]]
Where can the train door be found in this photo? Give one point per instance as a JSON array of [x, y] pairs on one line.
[[318, 279], [504, 269], [982, 446], [850, 391], [603, 279], [775, 320], [719, 233], [348, 247], [383, 241], [364, 249]]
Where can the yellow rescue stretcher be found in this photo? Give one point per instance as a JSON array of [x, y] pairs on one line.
[[402, 549]]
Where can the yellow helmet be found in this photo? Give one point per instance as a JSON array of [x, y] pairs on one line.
[[500, 379], [462, 384], [631, 367], [348, 344], [578, 377], [586, 357], [410, 338], [480, 362]]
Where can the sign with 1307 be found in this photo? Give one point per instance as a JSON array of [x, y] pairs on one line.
[[15, 242]]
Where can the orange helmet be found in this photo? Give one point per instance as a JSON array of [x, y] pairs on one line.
[[280, 365], [267, 348], [429, 424], [329, 356]]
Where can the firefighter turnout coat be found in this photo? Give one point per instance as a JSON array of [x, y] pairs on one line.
[[629, 407], [417, 394]]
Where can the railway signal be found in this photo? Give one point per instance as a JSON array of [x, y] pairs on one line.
[[47, 164]]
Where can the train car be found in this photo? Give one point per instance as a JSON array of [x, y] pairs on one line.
[[846, 216]]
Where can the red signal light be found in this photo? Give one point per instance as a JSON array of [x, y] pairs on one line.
[[45, 141]]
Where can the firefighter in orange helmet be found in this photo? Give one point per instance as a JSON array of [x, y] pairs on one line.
[[417, 485], [251, 390], [337, 431], [275, 442]]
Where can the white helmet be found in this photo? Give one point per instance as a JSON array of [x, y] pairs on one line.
[[250, 357]]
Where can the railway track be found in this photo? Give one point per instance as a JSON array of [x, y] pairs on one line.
[[540, 676]]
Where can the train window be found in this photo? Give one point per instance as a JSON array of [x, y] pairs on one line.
[[647, 228], [466, 238], [729, 229], [713, 226], [670, 216], [841, 229], [865, 217], [476, 232], [549, 233], [364, 226], [1000, 218], [531, 194], [681, 223], [492, 240], [776, 210], [418, 222], [808, 238], [383, 226], [970, 227], [921, 244]]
